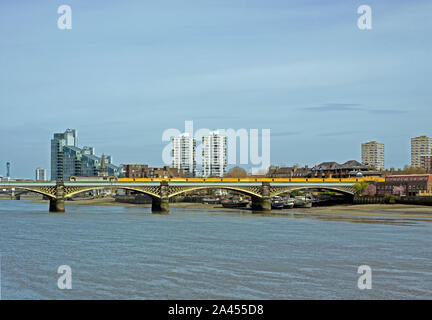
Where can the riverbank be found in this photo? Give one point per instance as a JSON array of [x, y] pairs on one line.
[[382, 210], [375, 210]]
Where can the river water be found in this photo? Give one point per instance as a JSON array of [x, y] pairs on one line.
[[129, 253]]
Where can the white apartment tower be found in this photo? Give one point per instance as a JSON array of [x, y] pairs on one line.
[[420, 146], [41, 174], [214, 155], [183, 153], [373, 154]]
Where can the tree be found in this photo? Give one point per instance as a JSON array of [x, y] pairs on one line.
[[261, 172], [370, 190], [236, 172], [296, 193], [406, 170], [361, 186], [413, 170]]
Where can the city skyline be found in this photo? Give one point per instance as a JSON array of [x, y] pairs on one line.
[[122, 75], [67, 143]]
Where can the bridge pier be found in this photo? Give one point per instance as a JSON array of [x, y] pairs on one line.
[[161, 205], [57, 204], [263, 203]]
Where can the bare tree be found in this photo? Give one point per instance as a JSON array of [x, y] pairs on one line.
[[236, 172]]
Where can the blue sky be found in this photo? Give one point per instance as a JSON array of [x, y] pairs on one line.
[[128, 70]]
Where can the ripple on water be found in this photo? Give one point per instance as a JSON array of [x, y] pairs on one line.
[[128, 253]]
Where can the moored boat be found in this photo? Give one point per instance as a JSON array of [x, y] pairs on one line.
[[288, 203], [210, 200], [277, 203], [299, 203], [234, 203]]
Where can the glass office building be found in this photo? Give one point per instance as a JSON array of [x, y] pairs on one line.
[[68, 160], [59, 141]]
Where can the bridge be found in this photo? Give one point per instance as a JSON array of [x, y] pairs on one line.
[[161, 190]]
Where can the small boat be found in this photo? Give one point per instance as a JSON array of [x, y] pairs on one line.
[[234, 203], [299, 203], [210, 200], [277, 203], [288, 203]]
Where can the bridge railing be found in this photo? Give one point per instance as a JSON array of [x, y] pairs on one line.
[[352, 180], [259, 180]]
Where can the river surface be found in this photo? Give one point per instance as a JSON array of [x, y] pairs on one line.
[[129, 253]]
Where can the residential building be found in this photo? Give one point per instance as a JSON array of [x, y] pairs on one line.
[[68, 160], [373, 155], [144, 171], [72, 158], [409, 185], [92, 165], [183, 153], [59, 141], [88, 150], [419, 146], [426, 162], [41, 174], [289, 172], [214, 155], [331, 169], [351, 168], [135, 170]]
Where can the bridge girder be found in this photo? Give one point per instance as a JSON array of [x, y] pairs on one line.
[[155, 191], [49, 191], [152, 191], [249, 190], [274, 190]]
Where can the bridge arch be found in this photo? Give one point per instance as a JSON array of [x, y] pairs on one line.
[[250, 191], [43, 191], [348, 191], [149, 192]]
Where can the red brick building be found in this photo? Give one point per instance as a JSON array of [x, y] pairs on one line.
[[426, 162], [409, 185]]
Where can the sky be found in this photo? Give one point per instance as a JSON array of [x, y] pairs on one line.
[[129, 70]]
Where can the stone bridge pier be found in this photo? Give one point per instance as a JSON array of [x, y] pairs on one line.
[[161, 205], [262, 203], [57, 204]]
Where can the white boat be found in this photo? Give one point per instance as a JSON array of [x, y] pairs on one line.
[[277, 202], [288, 203]]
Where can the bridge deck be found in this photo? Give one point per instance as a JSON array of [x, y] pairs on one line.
[[199, 181]]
